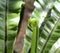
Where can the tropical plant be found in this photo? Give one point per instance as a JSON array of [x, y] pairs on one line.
[[2, 25], [42, 32], [14, 9], [12, 16], [48, 15]]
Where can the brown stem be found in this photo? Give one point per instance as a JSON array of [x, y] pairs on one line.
[[27, 14]]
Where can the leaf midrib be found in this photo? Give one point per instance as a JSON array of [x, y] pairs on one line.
[[50, 35]]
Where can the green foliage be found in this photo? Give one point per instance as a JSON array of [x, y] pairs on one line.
[[13, 19], [46, 14], [49, 21], [34, 42], [2, 25]]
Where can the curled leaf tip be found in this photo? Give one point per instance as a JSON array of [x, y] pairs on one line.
[[33, 22]]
